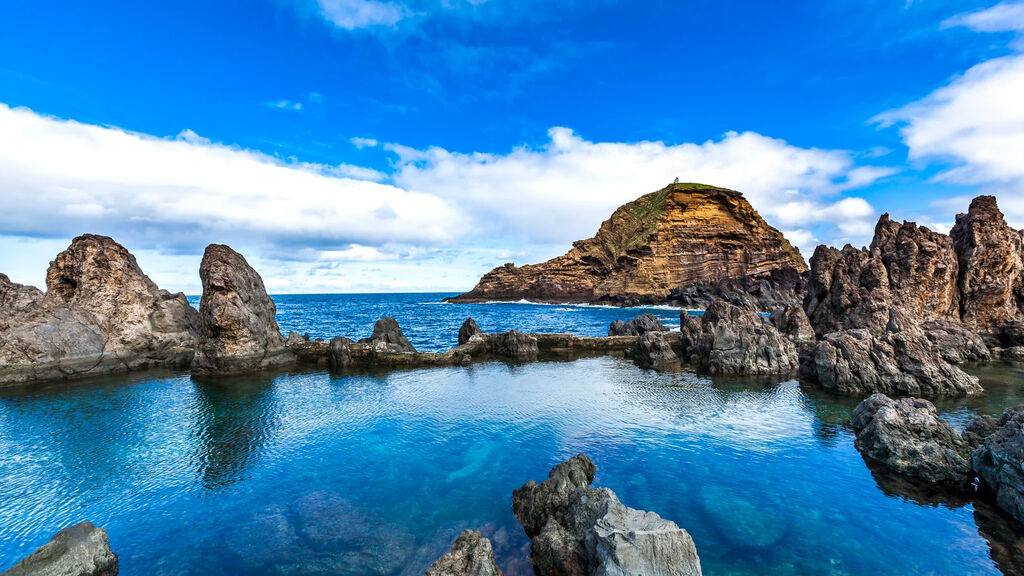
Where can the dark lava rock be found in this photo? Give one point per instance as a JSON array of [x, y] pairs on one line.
[[763, 292], [79, 550], [387, 332], [580, 530], [982, 427], [999, 462], [101, 314], [654, 350], [468, 330], [339, 355], [909, 437], [792, 321], [471, 555], [636, 326], [514, 345], [900, 361], [733, 340], [238, 329], [956, 342]]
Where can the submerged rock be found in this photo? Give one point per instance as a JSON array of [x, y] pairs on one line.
[[388, 333], [900, 361], [580, 530], [999, 462], [733, 340], [238, 329], [636, 326], [79, 550], [100, 314], [468, 330], [471, 555], [909, 437]]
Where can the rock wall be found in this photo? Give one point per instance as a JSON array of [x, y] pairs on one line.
[[679, 235]]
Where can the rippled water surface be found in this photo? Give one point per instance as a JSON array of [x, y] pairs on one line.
[[316, 473]]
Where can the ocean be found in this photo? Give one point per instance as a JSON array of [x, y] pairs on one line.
[[375, 473]]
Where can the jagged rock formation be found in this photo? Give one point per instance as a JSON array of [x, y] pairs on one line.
[[991, 257], [471, 555], [580, 530], [763, 292], [238, 329], [899, 361], [388, 334], [999, 462], [636, 326], [909, 437], [654, 350], [468, 330], [792, 321], [514, 345], [100, 314], [679, 235], [79, 550], [728, 339]]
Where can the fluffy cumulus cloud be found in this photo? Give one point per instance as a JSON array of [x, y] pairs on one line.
[[974, 125], [563, 190], [60, 177]]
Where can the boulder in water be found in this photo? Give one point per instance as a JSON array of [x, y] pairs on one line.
[[471, 555], [636, 326], [999, 462], [388, 333], [79, 550], [468, 330]]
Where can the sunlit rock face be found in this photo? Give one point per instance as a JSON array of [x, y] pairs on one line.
[[674, 237], [238, 329], [100, 314]]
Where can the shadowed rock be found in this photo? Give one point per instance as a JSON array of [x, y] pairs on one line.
[[654, 350], [909, 437], [792, 321], [79, 550], [733, 340], [468, 330], [580, 530], [514, 345], [388, 333], [900, 361], [761, 292], [238, 329], [471, 555], [636, 326], [100, 314], [982, 427], [999, 462]]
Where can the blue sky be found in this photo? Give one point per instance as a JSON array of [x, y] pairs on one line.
[[358, 145]]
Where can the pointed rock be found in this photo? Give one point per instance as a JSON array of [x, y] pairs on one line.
[[238, 329], [471, 555], [468, 330], [79, 550]]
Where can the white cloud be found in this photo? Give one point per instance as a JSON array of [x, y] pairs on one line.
[[352, 14], [61, 178], [363, 142], [975, 123], [285, 105], [563, 190], [1003, 17]]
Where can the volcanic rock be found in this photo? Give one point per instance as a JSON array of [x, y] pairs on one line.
[[636, 326], [991, 278], [728, 339], [980, 428], [387, 332], [100, 314], [900, 361], [674, 237], [514, 345], [999, 462], [238, 329], [654, 350], [580, 530], [763, 292], [79, 550], [471, 555], [792, 321], [909, 437], [468, 330]]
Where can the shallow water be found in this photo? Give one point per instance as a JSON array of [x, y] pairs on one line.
[[314, 473]]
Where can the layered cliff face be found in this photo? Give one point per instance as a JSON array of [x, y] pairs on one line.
[[100, 314], [674, 237]]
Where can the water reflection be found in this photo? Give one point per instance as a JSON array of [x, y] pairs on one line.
[[1004, 536], [234, 419]]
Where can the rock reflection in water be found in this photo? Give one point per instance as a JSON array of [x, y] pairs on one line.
[[234, 419]]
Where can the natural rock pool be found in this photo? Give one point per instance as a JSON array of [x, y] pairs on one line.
[[376, 474], [311, 473]]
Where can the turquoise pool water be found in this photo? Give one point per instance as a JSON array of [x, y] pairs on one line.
[[314, 473]]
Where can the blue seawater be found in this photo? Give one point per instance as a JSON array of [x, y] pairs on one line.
[[309, 472]]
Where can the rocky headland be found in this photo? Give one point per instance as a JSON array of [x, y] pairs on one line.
[[680, 236]]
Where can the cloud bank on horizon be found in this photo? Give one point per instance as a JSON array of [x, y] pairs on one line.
[[432, 218]]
